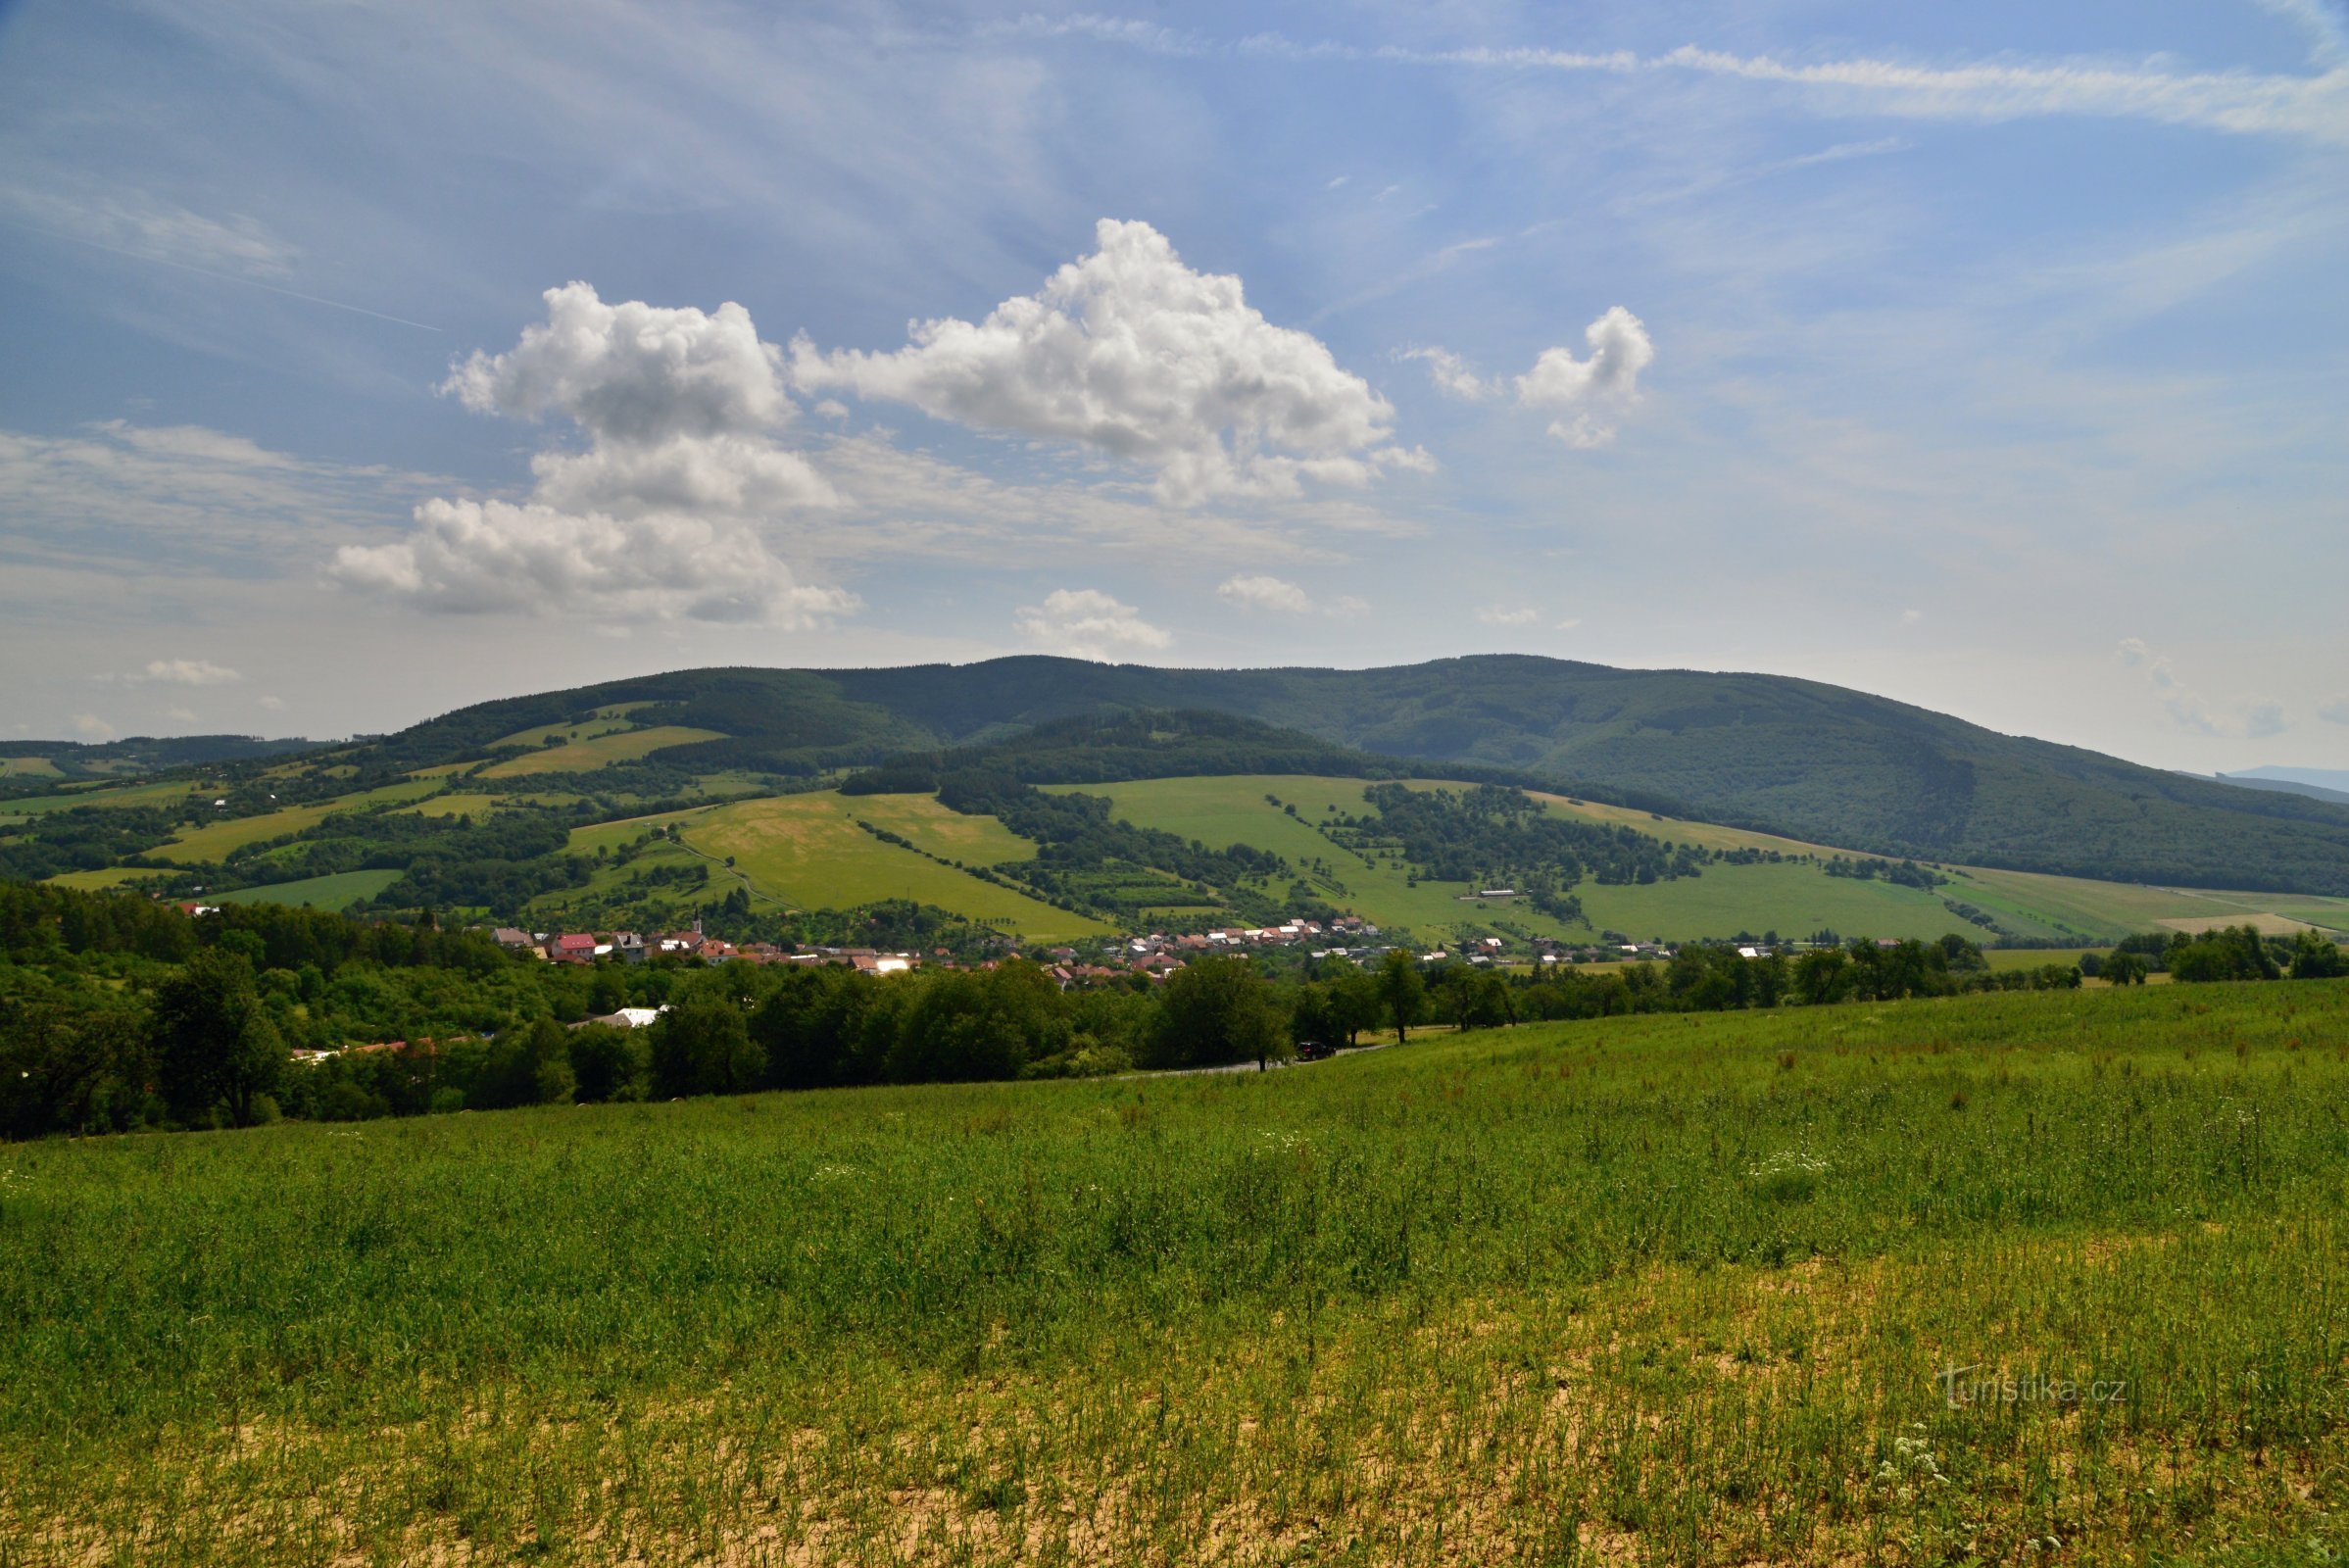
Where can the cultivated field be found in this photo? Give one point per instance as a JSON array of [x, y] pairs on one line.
[[600, 749], [807, 850], [2020, 1279], [318, 892]]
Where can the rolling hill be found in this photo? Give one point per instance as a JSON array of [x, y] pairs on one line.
[[1813, 762]]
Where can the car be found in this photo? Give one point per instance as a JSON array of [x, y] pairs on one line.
[[1314, 1051]]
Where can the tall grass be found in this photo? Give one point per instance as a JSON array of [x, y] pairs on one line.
[[1666, 1289]]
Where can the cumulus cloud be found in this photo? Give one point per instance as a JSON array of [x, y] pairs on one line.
[[90, 727], [178, 672], [1130, 353], [273, 703], [1501, 615], [490, 556], [1266, 592], [631, 372], [1087, 623], [2247, 717], [2335, 712], [1591, 392], [1255, 591], [1588, 396], [662, 517]]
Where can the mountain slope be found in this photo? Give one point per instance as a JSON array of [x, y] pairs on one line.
[[1795, 757]]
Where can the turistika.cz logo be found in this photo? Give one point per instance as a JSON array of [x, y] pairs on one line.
[[1965, 1385]]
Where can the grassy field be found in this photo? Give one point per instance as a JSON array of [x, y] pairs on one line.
[[214, 841], [164, 794], [28, 768], [320, 892], [1655, 1290], [1222, 811], [1792, 900], [809, 851], [2117, 908], [615, 745]]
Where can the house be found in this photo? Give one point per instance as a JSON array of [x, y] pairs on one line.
[[632, 1017], [572, 947], [510, 939]]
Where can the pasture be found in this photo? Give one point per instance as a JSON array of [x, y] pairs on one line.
[[2025, 1277], [213, 842], [807, 850], [1793, 900]]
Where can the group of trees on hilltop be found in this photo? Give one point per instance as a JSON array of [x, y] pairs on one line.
[[2235, 953]]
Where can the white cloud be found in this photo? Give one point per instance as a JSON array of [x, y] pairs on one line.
[[2247, 717], [1567, 625], [1130, 353], [1266, 592], [186, 672], [138, 224], [662, 517], [90, 727], [475, 557], [1498, 615], [272, 703], [1452, 375], [2335, 711], [1589, 395], [1912, 617], [2312, 108], [160, 498], [1592, 392], [181, 715], [1087, 623], [632, 373], [1256, 591]]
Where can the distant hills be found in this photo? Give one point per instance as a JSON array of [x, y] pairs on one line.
[[1799, 758], [47, 761], [2316, 783]]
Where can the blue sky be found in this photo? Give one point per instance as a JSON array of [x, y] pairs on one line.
[[359, 362]]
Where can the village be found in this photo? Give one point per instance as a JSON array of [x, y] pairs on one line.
[[1152, 956]]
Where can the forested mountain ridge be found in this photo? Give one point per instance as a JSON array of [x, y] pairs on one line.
[[1795, 757]]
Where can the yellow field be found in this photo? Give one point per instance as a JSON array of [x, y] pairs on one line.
[[28, 767], [616, 745], [809, 851]]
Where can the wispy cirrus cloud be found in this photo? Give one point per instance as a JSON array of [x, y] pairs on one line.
[[2312, 107]]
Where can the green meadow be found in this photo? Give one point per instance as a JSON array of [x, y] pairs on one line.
[[318, 892], [807, 851], [2054, 1277], [1793, 900], [214, 841]]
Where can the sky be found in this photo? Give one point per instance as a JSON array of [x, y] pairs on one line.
[[360, 362]]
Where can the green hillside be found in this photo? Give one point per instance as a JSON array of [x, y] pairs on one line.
[[1791, 757]]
